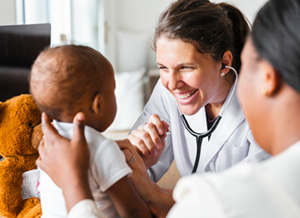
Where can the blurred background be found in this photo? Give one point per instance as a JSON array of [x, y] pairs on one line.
[[122, 30]]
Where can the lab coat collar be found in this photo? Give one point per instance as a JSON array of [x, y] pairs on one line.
[[232, 117]]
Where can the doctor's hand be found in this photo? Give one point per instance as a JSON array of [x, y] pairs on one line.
[[149, 139]]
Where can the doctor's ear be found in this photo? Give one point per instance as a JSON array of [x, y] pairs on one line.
[[223, 66], [226, 61]]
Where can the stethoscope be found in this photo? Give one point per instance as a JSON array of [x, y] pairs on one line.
[[200, 136]]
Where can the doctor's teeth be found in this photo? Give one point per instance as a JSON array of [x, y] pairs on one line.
[[185, 96]]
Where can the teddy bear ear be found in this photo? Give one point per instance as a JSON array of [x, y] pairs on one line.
[[1, 106]]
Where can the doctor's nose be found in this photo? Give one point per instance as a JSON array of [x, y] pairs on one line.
[[174, 81]]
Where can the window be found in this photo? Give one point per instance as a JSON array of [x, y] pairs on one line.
[[72, 21]]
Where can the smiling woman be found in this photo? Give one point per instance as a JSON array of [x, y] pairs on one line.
[[193, 41], [196, 43]]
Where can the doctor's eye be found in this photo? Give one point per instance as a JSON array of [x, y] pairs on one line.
[[162, 68], [186, 67]]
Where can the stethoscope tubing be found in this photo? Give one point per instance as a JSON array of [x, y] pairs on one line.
[[200, 136]]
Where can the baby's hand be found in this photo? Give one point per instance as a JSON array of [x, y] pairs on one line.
[[149, 139]]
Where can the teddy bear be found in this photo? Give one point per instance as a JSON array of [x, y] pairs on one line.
[[20, 134]]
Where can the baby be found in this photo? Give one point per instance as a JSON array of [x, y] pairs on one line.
[[68, 79]]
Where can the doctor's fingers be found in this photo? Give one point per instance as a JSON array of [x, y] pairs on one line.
[[143, 141], [158, 123], [153, 131]]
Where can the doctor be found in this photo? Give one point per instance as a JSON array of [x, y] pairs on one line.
[[197, 44]]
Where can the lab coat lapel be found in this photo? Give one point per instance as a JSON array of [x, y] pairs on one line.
[[231, 118]]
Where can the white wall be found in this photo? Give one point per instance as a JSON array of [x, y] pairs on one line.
[[7, 12], [133, 15], [249, 8], [142, 15]]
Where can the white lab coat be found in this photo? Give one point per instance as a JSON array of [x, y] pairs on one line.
[[262, 190], [230, 143]]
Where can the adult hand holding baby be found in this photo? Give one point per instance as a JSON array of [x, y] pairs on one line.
[[70, 174]]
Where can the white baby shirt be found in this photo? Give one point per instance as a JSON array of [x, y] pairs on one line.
[[107, 166]]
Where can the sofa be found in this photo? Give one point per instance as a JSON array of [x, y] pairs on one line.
[[13, 81], [19, 47]]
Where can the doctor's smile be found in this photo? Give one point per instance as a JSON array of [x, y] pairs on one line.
[[184, 97]]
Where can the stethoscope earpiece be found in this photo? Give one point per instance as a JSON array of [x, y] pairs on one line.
[[223, 66]]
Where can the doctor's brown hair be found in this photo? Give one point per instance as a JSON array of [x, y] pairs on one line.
[[211, 28]]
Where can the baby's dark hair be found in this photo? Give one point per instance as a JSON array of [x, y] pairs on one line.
[[212, 28], [63, 77]]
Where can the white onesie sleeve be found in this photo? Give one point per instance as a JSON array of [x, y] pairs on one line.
[[87, 209]]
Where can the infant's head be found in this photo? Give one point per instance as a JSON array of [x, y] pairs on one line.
[[67, 79]]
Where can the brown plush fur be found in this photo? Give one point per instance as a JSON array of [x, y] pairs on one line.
[[19, 118]]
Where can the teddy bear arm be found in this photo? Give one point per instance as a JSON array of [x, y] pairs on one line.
[[32, 209], [10, 188]]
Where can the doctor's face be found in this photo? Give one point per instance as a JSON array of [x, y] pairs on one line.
[[191, 77]]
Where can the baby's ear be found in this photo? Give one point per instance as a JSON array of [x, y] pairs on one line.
[[98, 102]]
